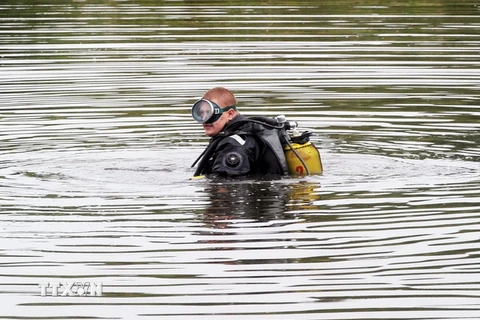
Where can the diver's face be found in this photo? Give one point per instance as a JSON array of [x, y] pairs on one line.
[[212, 129], [205, 112]]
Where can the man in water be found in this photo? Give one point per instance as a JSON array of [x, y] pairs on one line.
[[239, 146]]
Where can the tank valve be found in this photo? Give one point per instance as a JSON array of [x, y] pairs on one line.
[[281, 118]]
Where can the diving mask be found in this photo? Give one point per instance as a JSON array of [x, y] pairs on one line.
[[206, 111]]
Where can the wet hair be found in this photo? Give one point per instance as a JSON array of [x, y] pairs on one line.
[[221, 96]]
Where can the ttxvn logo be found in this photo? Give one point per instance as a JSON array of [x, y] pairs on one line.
[[71, 289]]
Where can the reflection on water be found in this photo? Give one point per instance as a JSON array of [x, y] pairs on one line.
[[97, 140], [260, 201]]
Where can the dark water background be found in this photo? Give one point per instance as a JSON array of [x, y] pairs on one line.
[[96, 143]]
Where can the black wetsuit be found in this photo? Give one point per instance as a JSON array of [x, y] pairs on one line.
[[244, 148]]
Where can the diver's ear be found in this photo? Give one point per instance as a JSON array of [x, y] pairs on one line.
[[231, 114]]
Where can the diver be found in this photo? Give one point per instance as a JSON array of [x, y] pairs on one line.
[[241, 146], [237, 146]]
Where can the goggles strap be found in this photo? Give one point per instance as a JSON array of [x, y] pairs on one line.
[[234, 107]]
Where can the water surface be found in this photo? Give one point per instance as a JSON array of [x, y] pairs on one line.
[[97, 142]]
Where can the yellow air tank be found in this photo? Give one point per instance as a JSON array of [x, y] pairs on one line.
[[310, 155]]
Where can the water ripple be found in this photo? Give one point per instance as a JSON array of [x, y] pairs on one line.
[[97, 141]]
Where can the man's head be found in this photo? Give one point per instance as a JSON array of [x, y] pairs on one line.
[[223, 101]]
